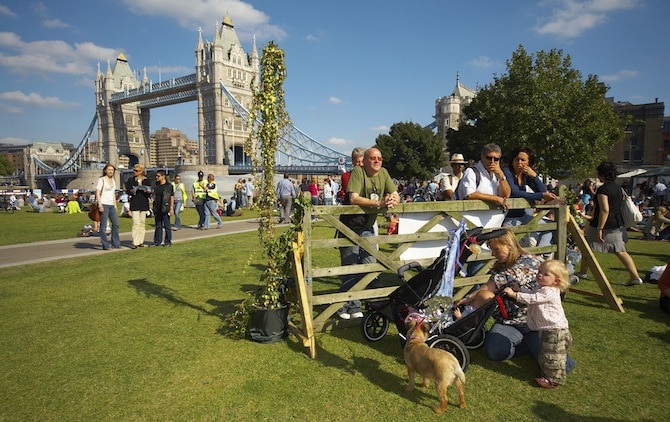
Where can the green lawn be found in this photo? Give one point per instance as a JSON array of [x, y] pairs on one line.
[[139, 335]]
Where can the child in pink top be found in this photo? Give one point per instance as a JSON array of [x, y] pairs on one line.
[[545, 314]]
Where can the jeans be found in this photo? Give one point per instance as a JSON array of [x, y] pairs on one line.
[[211, 208], [352, 255], [508, 341], [162, 224], [200, 207], [109, 213], [177, 210]]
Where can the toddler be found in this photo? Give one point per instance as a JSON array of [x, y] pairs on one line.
[[545, 314]]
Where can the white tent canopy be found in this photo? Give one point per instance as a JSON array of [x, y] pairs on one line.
[[632, 173]]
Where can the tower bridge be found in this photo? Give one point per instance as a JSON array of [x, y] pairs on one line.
[[221, 85]]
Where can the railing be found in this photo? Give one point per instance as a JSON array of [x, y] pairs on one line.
[[143, 91], [322, 269]]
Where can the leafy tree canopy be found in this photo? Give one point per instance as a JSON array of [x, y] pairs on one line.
[[6, 166], [409, 150], [542, 103]]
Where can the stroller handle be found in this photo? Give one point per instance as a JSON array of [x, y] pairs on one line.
[[409, 266], [483, 237]]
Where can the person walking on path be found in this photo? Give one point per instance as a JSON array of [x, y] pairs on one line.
[[198, 195], [211, 203], [286, 193], [105, 195], [139, 189], [163, 205], [180, 197]]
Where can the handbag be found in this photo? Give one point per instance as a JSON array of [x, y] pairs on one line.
[[630, 213]]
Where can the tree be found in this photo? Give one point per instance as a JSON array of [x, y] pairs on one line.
[[6, 166], [410, 150], [543, 103]]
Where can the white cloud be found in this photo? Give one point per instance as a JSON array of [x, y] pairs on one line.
[[380, 128], [4, 10], [55, 23], [7, 109], [338, 141], [622, 74], [312, 38], [34, 99], [571, 18], [42, 11], [334, 100], [484, 62], [247, 20], [52, 56]]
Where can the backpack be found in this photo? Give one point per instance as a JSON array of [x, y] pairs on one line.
[[478, 179]]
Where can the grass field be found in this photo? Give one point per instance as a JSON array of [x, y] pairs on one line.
[[140, 336]]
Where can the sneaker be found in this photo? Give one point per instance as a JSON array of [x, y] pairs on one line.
[[581, 275], [634, 282], [343, 312], [355, 312]]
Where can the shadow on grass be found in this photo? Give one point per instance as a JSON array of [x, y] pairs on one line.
[[151, 290], [522, 368], [551, 412]]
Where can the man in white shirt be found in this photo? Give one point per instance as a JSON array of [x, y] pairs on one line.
[[449, 182], [492, 185]]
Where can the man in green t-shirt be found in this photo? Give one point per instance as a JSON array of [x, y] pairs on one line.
[[369, 186]]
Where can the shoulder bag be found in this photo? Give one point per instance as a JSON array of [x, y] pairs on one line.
[[630, 213]]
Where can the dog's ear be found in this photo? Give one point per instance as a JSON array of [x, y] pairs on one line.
[[410, 324]]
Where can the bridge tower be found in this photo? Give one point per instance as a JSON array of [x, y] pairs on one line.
[[221, 132], [123, 129]]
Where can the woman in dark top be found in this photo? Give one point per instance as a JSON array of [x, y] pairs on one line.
[[139, 189], [520, 174], [605, 232]]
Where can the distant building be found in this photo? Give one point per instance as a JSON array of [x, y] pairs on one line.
[[171, 147], [643, 145], [449, 110]]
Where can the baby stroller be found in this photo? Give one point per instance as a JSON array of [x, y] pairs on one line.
[[455, 337]]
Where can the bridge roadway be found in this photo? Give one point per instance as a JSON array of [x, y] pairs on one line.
[[53, 250]]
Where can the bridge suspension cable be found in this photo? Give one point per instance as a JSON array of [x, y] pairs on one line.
[[298, 148], [71, 164]]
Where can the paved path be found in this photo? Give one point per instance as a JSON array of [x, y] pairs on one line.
[[30, 253]]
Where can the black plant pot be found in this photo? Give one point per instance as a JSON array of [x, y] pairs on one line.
[[269, 325]]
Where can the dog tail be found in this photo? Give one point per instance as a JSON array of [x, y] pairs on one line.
[[460, 375]]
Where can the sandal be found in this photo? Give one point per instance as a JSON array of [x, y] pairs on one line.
[[545, 383]]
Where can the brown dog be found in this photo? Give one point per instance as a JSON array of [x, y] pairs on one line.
[[432, 364]]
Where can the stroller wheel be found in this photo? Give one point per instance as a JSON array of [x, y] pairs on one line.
[[477, 340], [374, 326], [454, 346]]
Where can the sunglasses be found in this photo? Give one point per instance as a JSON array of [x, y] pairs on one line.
[[493, 159], [380, 159]]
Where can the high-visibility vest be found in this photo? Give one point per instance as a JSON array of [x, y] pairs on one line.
[[198, 190], [213, 194], [180, 188]]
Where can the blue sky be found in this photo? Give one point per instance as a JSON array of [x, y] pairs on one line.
[[354, 67]]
